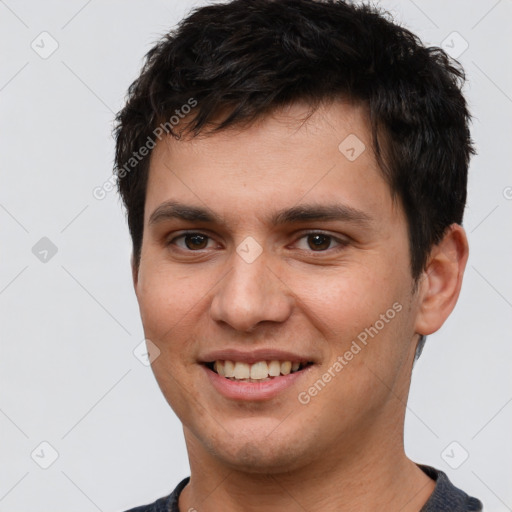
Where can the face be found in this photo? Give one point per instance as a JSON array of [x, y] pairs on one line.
[[275, 281]]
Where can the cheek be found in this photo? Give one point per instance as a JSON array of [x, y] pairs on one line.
[[167, 301], [365, 324], [346, 300], [169, 304], [363, 317]]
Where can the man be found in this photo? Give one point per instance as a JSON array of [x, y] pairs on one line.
[[294, 174]]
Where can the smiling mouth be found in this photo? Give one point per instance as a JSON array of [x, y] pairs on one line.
[[261, 371]]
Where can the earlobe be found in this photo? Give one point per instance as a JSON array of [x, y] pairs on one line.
[[442, 280]]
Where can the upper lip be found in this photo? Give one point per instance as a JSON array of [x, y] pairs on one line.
[[253, 356]]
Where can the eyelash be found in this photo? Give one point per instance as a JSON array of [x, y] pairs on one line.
[[341, 243]]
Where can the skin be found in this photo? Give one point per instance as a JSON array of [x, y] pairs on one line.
[[344, 449]]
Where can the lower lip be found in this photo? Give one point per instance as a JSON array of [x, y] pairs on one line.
[[253, 391]]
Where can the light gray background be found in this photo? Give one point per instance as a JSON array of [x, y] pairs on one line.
[[68, 375]]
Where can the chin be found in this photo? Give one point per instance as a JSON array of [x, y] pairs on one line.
[[260, 450], [254, 457]]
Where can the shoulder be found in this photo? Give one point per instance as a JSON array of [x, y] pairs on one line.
[[446, 496], [157, 506], [166, 504]]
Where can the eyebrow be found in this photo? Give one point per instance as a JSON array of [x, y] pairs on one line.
[[296, 214]]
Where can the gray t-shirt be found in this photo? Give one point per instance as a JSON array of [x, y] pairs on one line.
[[445, 498]]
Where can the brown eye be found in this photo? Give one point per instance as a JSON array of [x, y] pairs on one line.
[[319, 242], [195, 241], [316, 241]]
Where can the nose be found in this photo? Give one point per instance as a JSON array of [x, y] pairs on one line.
[[251, 294]]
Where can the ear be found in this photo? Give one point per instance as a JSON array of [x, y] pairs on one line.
[[442, 280]]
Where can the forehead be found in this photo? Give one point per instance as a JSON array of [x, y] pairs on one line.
[[281, 159]]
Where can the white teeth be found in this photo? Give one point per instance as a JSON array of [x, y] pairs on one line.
[[219, 368], [274, 368], [286, 367], [229, 368], [260, 370], [242, 370]]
